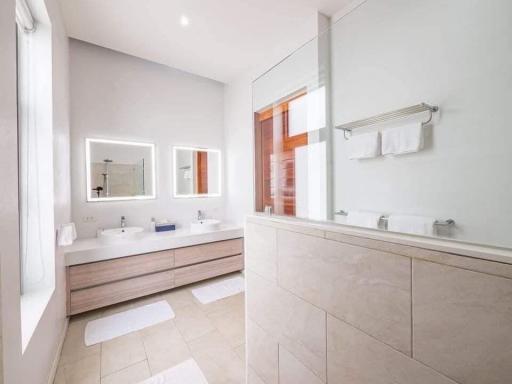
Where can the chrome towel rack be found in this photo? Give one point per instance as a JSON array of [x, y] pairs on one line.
[[399, 113], [384, 219]]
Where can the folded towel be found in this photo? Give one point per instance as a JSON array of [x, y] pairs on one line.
[[66, 234], [364, 219], [364, 146], [417, 225], [405, 139]]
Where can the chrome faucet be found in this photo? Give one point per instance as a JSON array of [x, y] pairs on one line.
[[123, 221], [200, 215]]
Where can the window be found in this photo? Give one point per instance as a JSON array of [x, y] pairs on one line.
[[35, 149], [291, 155]]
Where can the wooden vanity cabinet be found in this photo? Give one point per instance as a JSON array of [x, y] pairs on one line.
[[102, 283]]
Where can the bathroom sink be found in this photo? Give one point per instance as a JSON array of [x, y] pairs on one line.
[[117, 234], [204, 225]]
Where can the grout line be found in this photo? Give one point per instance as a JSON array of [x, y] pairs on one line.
[[326, 350], [122, 369], [278, 364], [277, 255], [101, 359], [412, 312]]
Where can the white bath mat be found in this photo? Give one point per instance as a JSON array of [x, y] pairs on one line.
[[119, 324], [187, 372], [216, 291]]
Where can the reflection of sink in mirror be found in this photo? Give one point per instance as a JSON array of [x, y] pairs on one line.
[[204, 225], [116, 234]]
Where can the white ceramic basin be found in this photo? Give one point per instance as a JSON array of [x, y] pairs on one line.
[[206, 225], [119, 234]]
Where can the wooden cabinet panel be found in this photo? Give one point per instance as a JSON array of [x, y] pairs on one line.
[[103, 283], [209, 251], [102, 295], [198, 272], [88, 275]]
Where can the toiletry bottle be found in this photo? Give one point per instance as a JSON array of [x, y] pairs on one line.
[[153, 224]]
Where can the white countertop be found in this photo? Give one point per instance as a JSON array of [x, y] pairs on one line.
[[95, 249]]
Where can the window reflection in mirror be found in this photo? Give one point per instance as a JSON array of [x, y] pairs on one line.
[[197, 172], [120, 170]]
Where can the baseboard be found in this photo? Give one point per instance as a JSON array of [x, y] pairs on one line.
[[55, 365]]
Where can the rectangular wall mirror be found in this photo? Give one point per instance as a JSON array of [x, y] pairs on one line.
[[197, 172], [119, 170]]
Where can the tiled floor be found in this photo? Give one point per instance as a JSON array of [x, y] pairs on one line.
[[212, 334]]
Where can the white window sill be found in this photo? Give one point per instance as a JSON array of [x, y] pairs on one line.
[[33, 305]]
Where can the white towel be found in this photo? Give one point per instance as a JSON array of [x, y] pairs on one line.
[[364, 146], [364, 219], [418, 225], [66, 234], [405, 139]]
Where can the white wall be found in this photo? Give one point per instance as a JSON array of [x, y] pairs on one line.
[[239, 146], [36, 364], [116, 96], [389, 54], [9, 245]]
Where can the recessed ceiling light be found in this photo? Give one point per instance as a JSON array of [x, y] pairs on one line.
[[184, 21]]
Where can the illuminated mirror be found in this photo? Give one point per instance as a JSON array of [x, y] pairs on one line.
[[120, 170], [197, 172]]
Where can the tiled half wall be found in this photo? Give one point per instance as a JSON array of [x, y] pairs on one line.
[[325, 307]]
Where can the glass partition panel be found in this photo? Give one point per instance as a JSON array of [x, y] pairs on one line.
[[292, 135], [342, 134]]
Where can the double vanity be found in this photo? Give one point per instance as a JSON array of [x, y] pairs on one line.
[[114, 268], [126, 263]]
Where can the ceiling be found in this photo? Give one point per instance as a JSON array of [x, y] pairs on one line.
[[224, 38]]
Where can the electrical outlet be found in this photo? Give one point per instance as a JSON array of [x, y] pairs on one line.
[[88, 219]]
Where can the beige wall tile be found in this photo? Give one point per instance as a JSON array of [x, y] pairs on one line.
[[262, 355], [288, 223], [60, 377], [240, 352], [292, 371], [252, 377], [462, 323], [164, 346], [133, 374], [121, 352], [260, 250], [291, 321], [367, 288], [356, 358], [471, 263]]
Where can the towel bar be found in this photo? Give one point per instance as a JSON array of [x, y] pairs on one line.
[[423, 107], [385, 219]]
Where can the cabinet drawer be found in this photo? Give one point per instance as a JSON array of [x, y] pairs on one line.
[[88, 275], [112, 293], [198, 272], [206, 252]]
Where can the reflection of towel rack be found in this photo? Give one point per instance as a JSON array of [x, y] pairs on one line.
[[423, 107], [385, 219]]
